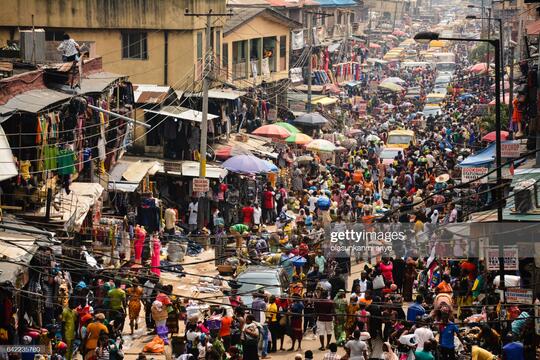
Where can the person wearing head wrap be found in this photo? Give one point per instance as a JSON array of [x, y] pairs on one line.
[[341, 316]]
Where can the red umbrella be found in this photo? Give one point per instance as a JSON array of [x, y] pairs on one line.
[[272, 131], [490, 137], [228, 151], [374, 46], [478, 68]]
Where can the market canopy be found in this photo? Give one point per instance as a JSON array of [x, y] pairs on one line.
[[311, 119], [227, 151], [321, 145], [393, 80], [299, 139], [182, 113], [126, 176], [390, 86], [8, 168], [325, 101], [31, 101], [225, 94], [272, 131], [289, 127], [247, 164]]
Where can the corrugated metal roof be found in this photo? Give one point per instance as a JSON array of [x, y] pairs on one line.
[[228, 94], [243, 15], [32, 101], [150, 94], [183, 113], [98, 82]]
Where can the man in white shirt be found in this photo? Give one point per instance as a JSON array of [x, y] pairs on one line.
[[257, 213], [423, 334], [312, 201]]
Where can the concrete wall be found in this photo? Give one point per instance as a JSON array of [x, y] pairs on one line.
[[253, 29], [107, 14]]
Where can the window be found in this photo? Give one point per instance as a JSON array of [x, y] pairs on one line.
[[225, 57], [239, 63], [134, 45], [269, 51], [54, 35], [282, 53], [199, 45], [218, 43]]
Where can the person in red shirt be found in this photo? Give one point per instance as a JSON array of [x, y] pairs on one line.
[[247, 214], [268, 205]]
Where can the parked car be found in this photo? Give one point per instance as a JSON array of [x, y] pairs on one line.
[[271, 279], [388, 154]]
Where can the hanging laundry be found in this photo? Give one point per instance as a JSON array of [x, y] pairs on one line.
[[50, 155], [66, 161]]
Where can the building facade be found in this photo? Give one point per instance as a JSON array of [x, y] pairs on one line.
[[152, 41]]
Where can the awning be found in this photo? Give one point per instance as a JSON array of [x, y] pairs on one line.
[[126, 176], [150, 94], [32, 101], [325, 101], [520, 175], [332, 3], [333, 47], [98, 82], [227, 94], [533, 28], [483, 157], [183, 113], [17, 249], [8, 169], [192, 168]]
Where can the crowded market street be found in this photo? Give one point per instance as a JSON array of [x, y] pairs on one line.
[[314, 179]]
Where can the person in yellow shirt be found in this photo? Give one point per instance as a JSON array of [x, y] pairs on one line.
[[273, 323], [478, 353]]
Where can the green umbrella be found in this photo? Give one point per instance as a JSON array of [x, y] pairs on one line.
[[291, 128]]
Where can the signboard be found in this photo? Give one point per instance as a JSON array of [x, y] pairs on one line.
[[507, 172], [171, 166], [519, 296], [470, 174], [510, 258], [201, 185], [510, 149]]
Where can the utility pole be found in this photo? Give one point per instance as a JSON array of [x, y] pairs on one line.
[[511, 84], [310, 63], [395, 15], [208, 64], [537, 113], [488, 47]]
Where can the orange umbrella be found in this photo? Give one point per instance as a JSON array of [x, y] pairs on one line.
[[272, 131]]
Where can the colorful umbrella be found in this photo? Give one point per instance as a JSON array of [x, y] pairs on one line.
[[272, 131], [298, 261], [247, 164], [390, 86], [304, 159], [374, 46], [311, 119], [353, 132], [290, 128], [372, 137], [228, 151], [478, 68], [349, 143], [321, 145], [299, 139], [490, 137], [394, 80]]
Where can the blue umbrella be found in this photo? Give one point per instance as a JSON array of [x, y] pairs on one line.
[[271, 166], [298, 260], [248, 164], [466, 96]]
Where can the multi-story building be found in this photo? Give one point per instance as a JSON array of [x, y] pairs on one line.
[[152, 41]]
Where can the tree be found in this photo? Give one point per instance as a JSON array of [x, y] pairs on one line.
[[488, 121]]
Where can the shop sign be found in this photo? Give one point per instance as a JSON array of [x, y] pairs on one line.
[[537, 315], [510, 149], [470, 174], [201, 185], [519, 296], [511, 261], [172, 166]]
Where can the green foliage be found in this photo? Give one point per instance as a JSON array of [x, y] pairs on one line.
[[488, 121], [478, 54]]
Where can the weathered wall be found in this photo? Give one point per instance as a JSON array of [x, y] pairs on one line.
[[107, 14]]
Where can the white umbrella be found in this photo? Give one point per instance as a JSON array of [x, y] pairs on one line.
[[372, 137], [394, 80]]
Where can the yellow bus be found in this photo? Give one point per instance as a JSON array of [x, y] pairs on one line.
[[401, 138]]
